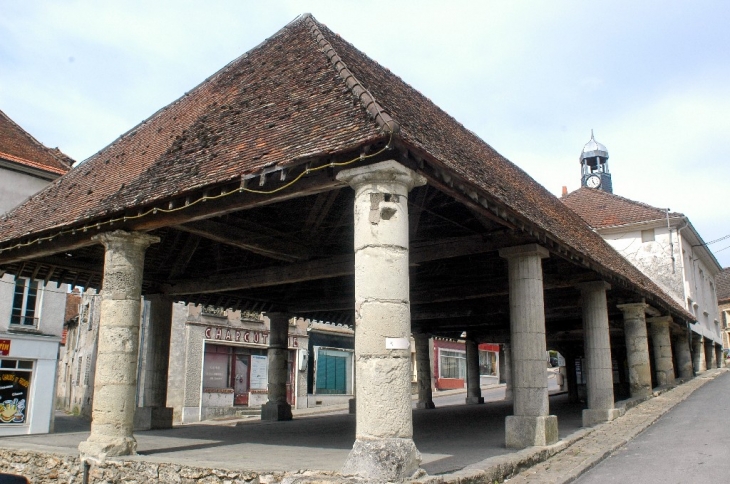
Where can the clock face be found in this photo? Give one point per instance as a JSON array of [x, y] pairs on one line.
[[593, 181]]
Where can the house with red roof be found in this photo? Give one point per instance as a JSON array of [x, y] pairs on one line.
[[662, 244], [32, 309]]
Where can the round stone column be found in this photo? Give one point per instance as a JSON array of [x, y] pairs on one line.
[[505, 370], [115, 379], [698, 353], [473, 382], [637, 349], [423, 370], [662, 342], [384, 448], [709, 354], [153, 412], [718, 357], [277, 408], [598, 365], [530, 425], [684, 355]]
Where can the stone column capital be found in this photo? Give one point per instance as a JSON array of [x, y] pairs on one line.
[[388, 172], [116, 238], [593, 286], [524, 251], [633, 308]]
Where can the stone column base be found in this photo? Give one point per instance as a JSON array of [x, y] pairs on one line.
[[382, 460], [474, 400], [113, 447], [351, 406], [152, 418], [276, 411], [593, 416], [525, 431], [426, 404]]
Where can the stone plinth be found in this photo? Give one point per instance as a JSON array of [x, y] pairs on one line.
[[637, 349], [115, 381], [384, 448], [530, 425]]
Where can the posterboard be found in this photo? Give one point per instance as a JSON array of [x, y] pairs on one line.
[[14, 386], [259, 372]]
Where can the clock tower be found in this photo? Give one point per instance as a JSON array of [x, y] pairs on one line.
[[594, 166]]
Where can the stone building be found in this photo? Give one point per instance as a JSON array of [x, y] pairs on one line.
[[722, 287], [663, 245], [305, 179], [31, 307]]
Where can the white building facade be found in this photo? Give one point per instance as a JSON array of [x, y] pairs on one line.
[[31, 308]]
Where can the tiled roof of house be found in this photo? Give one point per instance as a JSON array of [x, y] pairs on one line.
[[602, 209], [287, 100], [17, 146], [722, 286]]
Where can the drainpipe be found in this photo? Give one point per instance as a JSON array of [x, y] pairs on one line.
[[671, 244]]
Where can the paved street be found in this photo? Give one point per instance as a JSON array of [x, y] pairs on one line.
[[689, 444]]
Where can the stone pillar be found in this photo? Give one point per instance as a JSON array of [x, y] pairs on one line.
[[698, 353], [637, 349], [598, 365], [115, 380], [384, 448], [277, 408], [473, 382], [571, 377], [684, 356], [423, 370], [709, 354], [662, 342], [153, 412], [531, 423], [505, 370], [718, 357]]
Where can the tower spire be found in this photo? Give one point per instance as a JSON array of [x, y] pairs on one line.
[[594, 166]]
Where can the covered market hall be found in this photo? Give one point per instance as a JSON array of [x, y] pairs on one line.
[[305, 179]]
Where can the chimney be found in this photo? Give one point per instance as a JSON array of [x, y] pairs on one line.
[[565, 190]]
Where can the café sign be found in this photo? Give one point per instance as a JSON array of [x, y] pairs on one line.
[[4, 347]]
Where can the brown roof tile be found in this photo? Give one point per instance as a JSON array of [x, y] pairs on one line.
[[722, 286], [287, 100], [602, 209], [17, 146]]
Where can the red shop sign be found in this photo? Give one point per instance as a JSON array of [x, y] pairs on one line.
[[4, 347]]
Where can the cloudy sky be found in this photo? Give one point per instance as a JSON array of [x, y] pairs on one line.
[[531, 78]]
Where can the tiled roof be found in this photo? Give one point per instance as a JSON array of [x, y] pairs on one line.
[[722, 286], [17, 146], [286, 100], [602, 209]]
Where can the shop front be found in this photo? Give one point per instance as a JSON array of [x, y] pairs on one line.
[[225, 361]]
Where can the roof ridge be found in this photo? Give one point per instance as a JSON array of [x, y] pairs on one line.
[[628, 200], [384, 121], [40, 145]]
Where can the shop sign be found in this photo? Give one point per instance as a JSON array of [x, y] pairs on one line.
[[14, 386], [4, 347], [244, 336]]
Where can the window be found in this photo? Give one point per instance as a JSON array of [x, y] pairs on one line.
[[334, 368], [647, 235], [25, 303], [452, 364], [15, 378]]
